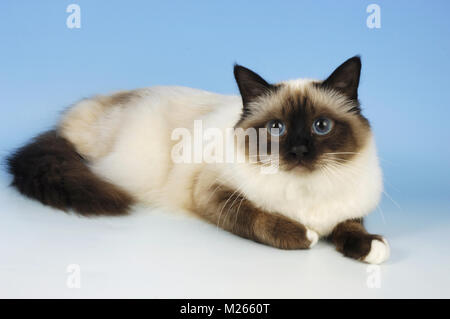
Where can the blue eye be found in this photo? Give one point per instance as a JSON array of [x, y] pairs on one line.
[[276, 127], [322, 126]]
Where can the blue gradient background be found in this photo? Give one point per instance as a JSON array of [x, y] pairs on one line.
[[44, 67]]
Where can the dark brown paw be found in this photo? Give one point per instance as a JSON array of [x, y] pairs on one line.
[[286, 234], [372, 249]]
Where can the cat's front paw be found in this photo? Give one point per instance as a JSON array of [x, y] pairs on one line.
[[312, 236], [379, 251]]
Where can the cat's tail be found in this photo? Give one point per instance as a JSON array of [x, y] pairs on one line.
[[51, 171]]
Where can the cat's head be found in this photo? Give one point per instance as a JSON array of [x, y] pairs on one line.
[[318, 123]]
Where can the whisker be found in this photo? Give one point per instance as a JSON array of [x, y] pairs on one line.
[[237, 212], [392, 200], [382, 214], [341, 153], [226, 202]]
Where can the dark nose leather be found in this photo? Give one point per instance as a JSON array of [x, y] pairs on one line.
[[299, 151]]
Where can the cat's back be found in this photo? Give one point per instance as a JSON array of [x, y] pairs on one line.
[[127, 136], [93, 125]]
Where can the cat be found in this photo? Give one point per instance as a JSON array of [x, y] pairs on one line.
[[109, 152]]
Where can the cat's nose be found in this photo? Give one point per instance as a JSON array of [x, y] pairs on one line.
[[299, 151]]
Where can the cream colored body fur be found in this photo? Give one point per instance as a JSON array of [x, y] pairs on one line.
[[128, 142]]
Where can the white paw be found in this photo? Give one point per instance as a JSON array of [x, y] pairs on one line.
[[379, 252], [312, 236]]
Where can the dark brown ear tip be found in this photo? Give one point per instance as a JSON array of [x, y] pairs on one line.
[[238, 69], [355, 60]]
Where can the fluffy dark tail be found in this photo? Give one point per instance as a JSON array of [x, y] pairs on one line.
[[50, 170]]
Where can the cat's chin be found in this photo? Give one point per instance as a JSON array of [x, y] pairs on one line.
[[298, 168]]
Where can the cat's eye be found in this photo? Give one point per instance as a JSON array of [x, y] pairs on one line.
[[276, 127], [322, 126]]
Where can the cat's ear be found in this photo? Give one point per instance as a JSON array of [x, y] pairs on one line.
[[250, 84], [345, 78]]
